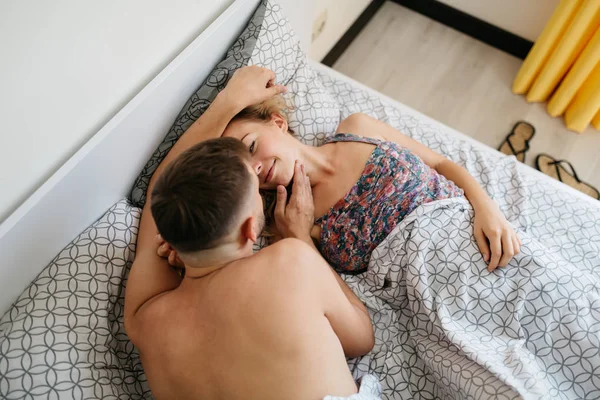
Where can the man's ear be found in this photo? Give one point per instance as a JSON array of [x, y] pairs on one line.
[[248, 230], [280, 121]]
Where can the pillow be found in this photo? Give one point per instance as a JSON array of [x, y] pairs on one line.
[[64, 338], [267, 41]]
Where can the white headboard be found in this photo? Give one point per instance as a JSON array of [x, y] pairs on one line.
[[103, 170]]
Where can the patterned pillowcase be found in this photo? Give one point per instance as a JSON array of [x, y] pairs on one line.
[[270, 42], [316, 114], [64, 336]]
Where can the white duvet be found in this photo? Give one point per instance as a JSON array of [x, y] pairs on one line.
[[446, 327]]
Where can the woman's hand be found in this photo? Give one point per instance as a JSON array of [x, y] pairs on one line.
[[496, 238], [166, 251], [296, 219], [251, 85]]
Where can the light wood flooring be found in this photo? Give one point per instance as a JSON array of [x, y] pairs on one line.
[[461, 82]]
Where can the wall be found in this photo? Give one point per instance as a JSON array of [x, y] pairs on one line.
[[341, 14], [67, 66], [300, 13], [525, 18]]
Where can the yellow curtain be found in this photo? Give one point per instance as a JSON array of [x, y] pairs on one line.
[[564, 65]]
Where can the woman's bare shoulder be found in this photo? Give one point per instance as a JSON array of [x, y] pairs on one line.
[[360, 124]]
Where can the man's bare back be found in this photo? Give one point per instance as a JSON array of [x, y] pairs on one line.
[[255, 329]]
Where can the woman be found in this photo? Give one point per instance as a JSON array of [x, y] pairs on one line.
[[364, 180]]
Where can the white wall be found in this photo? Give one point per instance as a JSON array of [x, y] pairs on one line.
[[525, 18], [300, 13], [341, 14], [67, 66]]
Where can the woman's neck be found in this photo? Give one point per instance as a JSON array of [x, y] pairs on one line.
[[318, 162]]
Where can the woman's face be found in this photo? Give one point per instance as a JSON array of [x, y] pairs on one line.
[[271, 148]]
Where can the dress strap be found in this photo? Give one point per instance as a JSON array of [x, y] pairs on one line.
[[348, 137]]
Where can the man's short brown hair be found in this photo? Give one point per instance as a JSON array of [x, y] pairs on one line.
[[199, 196]]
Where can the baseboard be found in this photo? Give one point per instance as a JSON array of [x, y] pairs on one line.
[[352, 32], [449, 16], [469, 25]]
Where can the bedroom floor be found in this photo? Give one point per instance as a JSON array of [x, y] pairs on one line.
[[461, 82]]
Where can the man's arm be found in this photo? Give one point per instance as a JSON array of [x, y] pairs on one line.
[[345, 312], [347, 315], [150, 275], [358, 339]]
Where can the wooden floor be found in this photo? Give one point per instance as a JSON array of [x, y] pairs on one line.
[[461, 82]]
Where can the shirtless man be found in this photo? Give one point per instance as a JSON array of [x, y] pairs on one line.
[[271, 325]]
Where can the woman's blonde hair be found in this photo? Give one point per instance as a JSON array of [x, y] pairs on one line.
[[265, 110]]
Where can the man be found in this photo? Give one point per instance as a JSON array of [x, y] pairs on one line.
[[275, 324]]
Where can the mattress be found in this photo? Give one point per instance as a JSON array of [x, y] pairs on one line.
[[64, 336]]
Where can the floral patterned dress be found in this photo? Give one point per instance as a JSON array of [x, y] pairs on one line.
[[394, 182]]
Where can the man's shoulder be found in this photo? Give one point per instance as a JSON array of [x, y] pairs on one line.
[[287, 246], [289, 258], [155, 312], [281, 272], [288, 251]]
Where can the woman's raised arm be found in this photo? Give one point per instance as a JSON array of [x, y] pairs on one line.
[[248, 85]]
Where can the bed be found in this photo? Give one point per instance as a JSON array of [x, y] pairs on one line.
[[61, 334]]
